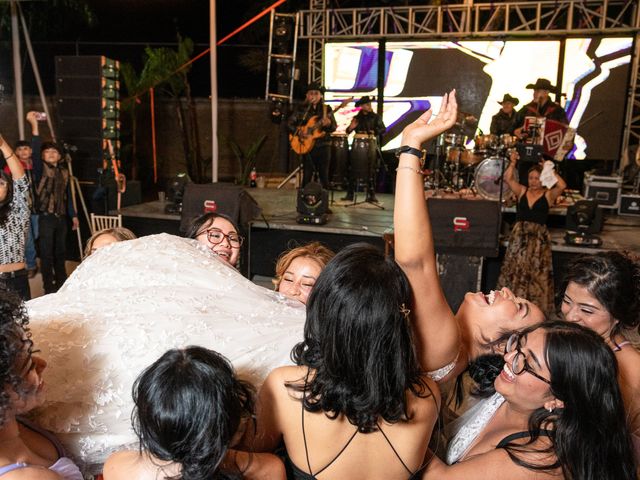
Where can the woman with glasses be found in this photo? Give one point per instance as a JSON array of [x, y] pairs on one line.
[[14, 222], [26, 451], [555, 403], [602, 292], [218, 233]]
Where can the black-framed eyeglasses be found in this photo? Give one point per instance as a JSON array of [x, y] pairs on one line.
[[520, 364], [216, 236]]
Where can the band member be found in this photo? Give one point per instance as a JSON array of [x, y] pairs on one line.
[[365, 122], [319, 157], [504, 121], [541, 106]]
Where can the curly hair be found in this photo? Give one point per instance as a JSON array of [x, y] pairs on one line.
[[314, 250], [14, 334]]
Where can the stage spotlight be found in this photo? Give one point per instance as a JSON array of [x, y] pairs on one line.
[[312, 205], [583, 220], [175, 193]]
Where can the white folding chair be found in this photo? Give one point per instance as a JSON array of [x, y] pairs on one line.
[[100, 222]]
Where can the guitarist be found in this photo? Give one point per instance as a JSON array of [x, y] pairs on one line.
[[319, 157]]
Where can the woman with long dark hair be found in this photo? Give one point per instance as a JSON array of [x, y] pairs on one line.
[[602, 292], [508, 434], [357, 404], [26, 450], [14, 222], [189, 408]]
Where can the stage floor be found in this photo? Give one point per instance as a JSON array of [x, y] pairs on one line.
[[365, 220]]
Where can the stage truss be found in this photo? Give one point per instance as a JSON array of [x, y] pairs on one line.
[[513, 19]]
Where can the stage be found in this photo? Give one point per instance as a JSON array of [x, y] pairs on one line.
[[276, 230]]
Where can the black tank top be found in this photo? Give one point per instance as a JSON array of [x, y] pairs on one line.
[[538, 213]]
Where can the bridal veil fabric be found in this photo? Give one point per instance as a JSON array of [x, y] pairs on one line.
[[127, 304]]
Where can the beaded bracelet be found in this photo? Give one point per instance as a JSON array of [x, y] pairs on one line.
[[416, 170]]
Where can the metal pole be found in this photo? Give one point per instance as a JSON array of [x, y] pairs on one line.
[[17, 68], [36, 73], [214, 91]]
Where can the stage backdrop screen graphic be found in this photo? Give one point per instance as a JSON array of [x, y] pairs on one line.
[[595, 73]]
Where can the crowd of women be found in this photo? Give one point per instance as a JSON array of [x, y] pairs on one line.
[[373, 372]]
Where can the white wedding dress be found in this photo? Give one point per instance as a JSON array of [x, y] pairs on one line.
[[127, 304]]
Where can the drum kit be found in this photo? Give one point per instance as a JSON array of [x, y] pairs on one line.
[[479, 169]]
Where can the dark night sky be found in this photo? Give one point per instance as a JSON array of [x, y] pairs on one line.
[[122, 28]]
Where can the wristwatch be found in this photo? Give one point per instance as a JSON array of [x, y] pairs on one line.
[[421, 154]]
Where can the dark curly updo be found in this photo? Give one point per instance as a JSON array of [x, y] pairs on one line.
[[14, 333]]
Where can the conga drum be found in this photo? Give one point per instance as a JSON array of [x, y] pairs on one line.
[[339, 158], [363, 154]]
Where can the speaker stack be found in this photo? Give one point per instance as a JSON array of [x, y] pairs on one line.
[[88, 108]]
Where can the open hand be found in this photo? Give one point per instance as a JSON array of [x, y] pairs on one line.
[[418, 132]]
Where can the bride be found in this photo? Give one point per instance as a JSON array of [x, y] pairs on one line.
[[126, 305]]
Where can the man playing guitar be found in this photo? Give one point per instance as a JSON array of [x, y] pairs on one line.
[[313, 115]]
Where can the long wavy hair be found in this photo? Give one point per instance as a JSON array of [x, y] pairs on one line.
[[188, 405], [5, 204], [613, 278], [14, 337], [358, 342], [589, 435]]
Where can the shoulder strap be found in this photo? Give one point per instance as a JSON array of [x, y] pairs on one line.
[[518, 435], [45, 433], [12, 467], [394, 450]]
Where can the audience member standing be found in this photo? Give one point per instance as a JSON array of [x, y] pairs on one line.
[[54, 205], [24, 151], [14, 221]]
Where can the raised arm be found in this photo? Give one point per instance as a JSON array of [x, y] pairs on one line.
[[436, 329], [17, 171], [510, 178]]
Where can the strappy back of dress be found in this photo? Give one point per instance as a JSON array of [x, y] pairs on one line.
[[299, 474]]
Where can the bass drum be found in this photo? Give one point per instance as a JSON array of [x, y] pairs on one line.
[[487, 178]]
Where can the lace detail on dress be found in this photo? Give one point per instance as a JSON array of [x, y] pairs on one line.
[[127, 304], [468, 426], [439, 374]]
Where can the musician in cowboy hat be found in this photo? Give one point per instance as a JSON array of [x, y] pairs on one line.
[[541, 106], [504, 121], [366, 122], [319, 157]]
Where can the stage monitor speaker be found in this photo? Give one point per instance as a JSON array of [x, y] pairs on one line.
[[228, 199], [465, 227]]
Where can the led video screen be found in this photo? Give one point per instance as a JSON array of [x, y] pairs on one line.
[[594, 79]]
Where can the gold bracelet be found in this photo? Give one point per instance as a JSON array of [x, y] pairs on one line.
[[416, 170]]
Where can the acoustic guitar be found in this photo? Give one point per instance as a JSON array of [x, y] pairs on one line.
[[305, 136]]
